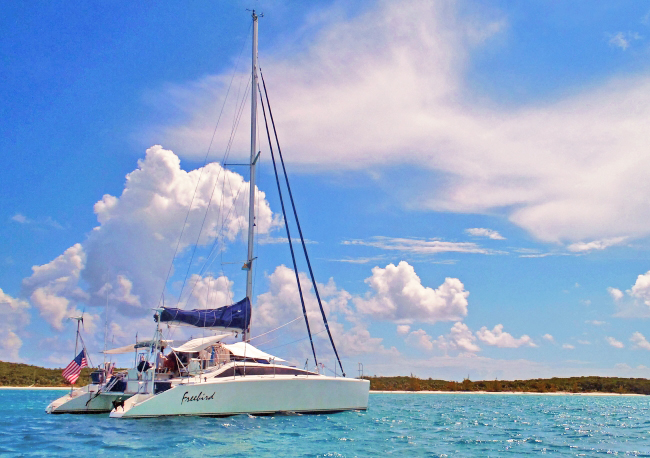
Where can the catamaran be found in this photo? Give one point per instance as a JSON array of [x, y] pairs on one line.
[[205, 376], [104, 390]]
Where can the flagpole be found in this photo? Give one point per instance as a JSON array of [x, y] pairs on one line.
[[76, 343]]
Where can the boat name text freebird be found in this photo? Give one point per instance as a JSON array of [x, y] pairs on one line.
[[198, 397]]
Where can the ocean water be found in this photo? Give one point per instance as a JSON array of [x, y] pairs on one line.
[[405, 425]]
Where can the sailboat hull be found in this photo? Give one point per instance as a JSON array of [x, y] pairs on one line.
[[85, 400], [261, 395]]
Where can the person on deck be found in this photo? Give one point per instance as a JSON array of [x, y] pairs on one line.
[[161, 360]]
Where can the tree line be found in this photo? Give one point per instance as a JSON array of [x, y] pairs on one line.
[[549, 385], [16, 374]]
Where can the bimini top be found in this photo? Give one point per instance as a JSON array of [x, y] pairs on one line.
[[246, 350], [235, 317], [194, 345], [135, 346]]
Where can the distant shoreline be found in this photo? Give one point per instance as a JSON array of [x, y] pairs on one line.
[[528, 393]]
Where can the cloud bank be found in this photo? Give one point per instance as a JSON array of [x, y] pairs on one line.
[[569, 171]]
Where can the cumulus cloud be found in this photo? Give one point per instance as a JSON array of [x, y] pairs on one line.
[[420, 339], [568, 347], [14, 316], [635, 303], [641, 288], [403, 329], [126, 258], [566, 170], [398, 295], [54, 287], [614, 343], [482, 232], [460, 338], [639, 341], [548, 338], [616, 293], [280, 306], [497, 337]]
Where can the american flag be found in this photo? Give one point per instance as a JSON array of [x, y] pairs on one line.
[[71, 373]]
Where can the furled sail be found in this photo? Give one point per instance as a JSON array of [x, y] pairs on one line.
[[234, 317]]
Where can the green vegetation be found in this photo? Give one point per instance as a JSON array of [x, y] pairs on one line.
[[14, 374], [550, 385]]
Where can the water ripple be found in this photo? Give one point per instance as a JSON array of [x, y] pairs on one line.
[[431, 425]]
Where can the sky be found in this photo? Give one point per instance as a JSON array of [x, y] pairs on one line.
[[471, 180]]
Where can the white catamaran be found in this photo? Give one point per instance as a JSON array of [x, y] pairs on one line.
[[207, 377], [98, 396]]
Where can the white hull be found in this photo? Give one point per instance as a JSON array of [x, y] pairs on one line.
[[251, 394], [85, 400]]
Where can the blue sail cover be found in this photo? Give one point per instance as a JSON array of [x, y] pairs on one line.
[[235, 316]]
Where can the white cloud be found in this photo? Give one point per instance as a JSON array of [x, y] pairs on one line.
[[616, 293], [596, 322], [209, 292], [403, 329], [420, 246], [14, 316], [623, 39], [281, 305], [53, 287], [498, 338], [619, 41], [420, 339], [566, 170], [549, 338], [125, 260], [584, 342], [639, 341], [582, 247], [460, 338], [482, 232], [641, 288], [568, 347], [398, 295], [614, 343], [20, 218]]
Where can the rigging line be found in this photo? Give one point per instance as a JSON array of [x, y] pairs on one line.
[[286, 225], [226, 154], [302, 240], [236, 121], [214, 132], [271, 340], [292, 342], [209, 261], [234, 127], [205, 216], [279, 327], [189, 266]]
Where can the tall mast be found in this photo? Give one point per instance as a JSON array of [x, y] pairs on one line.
[[251, 198]]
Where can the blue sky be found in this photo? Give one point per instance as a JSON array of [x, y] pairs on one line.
[[471, 178]]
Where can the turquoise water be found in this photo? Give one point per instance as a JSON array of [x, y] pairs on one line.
[[406, 425]]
